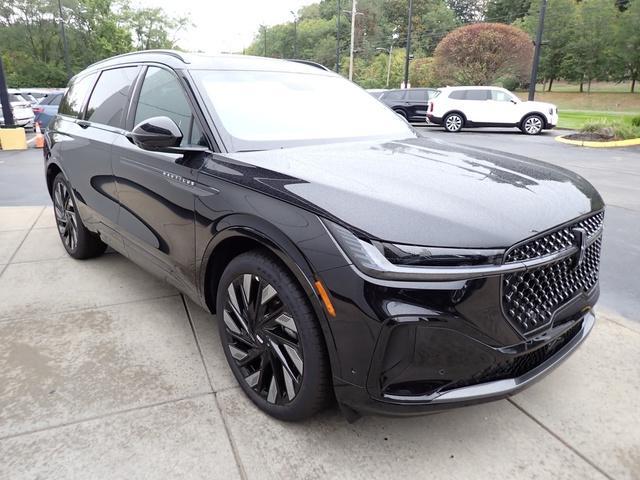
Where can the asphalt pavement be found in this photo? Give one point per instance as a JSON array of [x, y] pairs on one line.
[[109, 373]]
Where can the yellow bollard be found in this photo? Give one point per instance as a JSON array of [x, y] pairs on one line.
[[13, 139]]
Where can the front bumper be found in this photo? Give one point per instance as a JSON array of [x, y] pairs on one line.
[[409, 348], [361, 401]]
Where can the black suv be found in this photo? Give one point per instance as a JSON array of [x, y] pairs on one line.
[[343, 256], [410, 103]]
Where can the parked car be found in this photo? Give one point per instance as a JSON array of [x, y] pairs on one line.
[[47, 108], [410, 103], [21, 108], [345, 256], [460, 107]]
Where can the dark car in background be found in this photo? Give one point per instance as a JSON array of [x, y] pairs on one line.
[[47, 108], [346, 256], [410, 103]]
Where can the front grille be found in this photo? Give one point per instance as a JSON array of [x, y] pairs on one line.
[[518, 366], [530, 298], [555, 241]]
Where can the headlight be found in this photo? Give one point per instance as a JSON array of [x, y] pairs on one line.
[[408, 262]]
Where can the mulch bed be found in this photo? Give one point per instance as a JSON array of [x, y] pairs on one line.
[[590, 137]]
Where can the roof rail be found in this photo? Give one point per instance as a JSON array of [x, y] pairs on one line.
[[173, 53]]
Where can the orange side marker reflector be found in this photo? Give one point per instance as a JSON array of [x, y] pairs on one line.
[[325, 298]]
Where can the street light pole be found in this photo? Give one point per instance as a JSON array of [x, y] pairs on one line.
[[406, 60], [338, 38], [7, 113], [353, 30], [295, 34], [65, 46], [264, 32], [536, 53]]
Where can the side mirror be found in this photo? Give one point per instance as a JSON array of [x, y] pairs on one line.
[[159, 134]]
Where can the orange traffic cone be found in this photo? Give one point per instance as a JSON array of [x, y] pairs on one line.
[[39, 143]]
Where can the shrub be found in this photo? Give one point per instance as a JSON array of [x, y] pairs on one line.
[[611, 130], [635, 121], [509, 82], [482, 53]]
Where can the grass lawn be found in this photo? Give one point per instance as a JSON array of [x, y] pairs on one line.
[[575, 119]]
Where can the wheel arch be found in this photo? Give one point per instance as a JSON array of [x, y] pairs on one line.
[[241, 233], [53, 169], [535, 112], [464, 117]]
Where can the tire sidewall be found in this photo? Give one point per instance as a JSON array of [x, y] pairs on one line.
[[453, 115], [60, 178], [260, 263], [524, 130]]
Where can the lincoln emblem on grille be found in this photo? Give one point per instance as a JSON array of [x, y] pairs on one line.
[[581, 240]]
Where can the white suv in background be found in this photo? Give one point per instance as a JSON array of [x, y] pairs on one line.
[[457, 107]]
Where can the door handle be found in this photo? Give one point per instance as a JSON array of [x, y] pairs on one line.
[[83, 123]]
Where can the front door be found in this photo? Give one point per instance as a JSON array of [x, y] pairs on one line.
[[155, 189]]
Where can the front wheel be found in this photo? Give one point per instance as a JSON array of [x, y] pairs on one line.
[[532, 125], [79, 242], [271, 338], [453, 122]]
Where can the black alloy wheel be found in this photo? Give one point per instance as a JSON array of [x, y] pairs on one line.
[[77, 240], [271, 338], [66, 218]]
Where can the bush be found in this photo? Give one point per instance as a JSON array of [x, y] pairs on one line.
[[635, 121], [508, 82], [482, 53], [612, 130]]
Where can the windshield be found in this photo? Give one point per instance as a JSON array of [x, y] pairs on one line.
[[261, 110]]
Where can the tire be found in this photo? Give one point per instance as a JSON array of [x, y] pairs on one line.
[[79, 242], [453, 122], [402, 113], [532, 124], [273, 342]]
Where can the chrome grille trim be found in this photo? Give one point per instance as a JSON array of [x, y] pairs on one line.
[[530, 298]]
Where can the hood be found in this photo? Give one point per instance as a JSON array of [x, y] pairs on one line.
[[541, 106], [422, 191]]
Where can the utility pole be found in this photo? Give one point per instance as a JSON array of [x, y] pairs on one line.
[[353, 31], [295, 34], [264, 32], [536, 53], [7, 113], [65, 46], [406, 60], [338, 38]]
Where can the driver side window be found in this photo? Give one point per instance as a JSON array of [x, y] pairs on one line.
[[500, 96], [162, 95]]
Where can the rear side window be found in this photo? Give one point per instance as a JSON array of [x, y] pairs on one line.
[[417, 95], [478, 95], [457, 95], [55, 100], [73, 100], [394, 95], [110, 96], [162, 95]]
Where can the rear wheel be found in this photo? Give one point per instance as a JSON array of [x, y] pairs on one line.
[[271, 338], [401, 112], [453, 122], [532, 124], [79, 242]]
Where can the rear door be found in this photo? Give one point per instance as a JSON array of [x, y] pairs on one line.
[[477, 105], [87, 156], [416, 101], [156, 189]]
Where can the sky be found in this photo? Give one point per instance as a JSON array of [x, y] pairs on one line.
[[225, 25]]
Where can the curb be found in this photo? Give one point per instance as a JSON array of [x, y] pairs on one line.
[[586, 143]]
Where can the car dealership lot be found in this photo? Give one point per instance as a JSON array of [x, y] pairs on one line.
[[106, 372]]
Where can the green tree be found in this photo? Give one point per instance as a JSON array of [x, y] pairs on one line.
[[506, 11], [591, 50], [468, 11], [559, 32], [627, 43]]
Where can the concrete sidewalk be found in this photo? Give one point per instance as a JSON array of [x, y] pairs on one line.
[[106, 372]]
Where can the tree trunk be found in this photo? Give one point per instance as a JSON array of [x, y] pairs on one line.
[[582, 84], [633, 83], [550, 84], [589, 86]]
